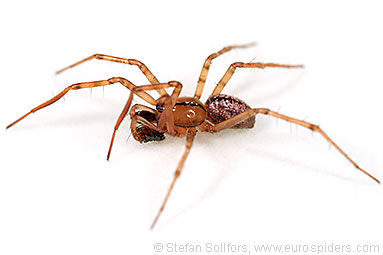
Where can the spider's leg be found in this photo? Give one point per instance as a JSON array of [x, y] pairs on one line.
[[166, 120], [141, 89], [207, 63], [144, 69], [148, 98], [252, 112], [230, 71], [189, 142]]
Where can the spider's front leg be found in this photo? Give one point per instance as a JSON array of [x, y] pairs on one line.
[[144, 69], [207, 127], [145, 96]]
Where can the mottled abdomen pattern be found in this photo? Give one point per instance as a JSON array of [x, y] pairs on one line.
[[221, 107]]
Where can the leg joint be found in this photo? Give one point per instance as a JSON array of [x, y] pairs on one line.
[[313, 127], [237, 64], [177, 173]]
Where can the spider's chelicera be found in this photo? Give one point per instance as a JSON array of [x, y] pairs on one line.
[[183, 116]]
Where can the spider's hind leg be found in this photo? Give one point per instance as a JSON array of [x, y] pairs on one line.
[[229, 123]]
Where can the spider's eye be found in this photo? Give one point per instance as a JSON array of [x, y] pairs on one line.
[[160, 107]]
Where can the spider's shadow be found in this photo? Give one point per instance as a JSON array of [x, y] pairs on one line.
[[225, 171]]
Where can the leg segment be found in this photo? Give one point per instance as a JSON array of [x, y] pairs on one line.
[[237, 119], [189, 142], [166, 120], [230, 71], [206, 66], [148, 98], [142, 89], [149, 75]]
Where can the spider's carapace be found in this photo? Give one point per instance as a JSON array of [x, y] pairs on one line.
[[189, 112]]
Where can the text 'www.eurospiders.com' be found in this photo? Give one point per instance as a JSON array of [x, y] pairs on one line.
[[226, 248]]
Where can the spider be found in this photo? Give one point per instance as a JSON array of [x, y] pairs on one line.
[[183, 116]]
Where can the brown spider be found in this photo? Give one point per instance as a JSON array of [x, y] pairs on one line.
[[182, 116]]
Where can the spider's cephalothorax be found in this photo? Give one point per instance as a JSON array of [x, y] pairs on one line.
[[182, 116], [189, 112]]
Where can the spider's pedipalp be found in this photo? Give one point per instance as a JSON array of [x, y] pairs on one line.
[[162, 123]]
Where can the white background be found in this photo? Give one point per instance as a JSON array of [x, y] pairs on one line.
[[274, 184]]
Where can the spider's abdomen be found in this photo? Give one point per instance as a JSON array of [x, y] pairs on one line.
[[221, 107]]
